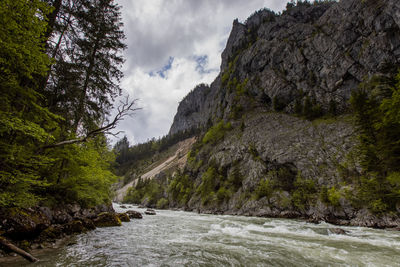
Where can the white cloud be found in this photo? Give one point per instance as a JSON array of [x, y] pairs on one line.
[[184, 30]]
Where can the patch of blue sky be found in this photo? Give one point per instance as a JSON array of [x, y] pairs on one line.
[[201, 64], [162, 72]]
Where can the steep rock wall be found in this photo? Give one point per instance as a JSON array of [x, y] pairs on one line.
[[318, 51]]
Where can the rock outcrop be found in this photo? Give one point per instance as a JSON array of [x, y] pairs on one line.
[[309, 59], [134, 214], [320, 51]]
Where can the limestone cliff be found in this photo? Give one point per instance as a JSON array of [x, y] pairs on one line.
[[280, 73], [320, 51]]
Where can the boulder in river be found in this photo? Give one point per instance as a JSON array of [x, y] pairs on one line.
[[338, 231], [150, 212], [134, 214], [123, 217], [122, 207], [106, 219]]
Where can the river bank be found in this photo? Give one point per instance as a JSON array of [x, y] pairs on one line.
[[26, 230], [176, 238]]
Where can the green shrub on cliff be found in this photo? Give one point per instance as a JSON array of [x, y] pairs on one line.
[[180, 188], [376, 105], [216, 132], [265, 188], [304, 192], [162, 203]]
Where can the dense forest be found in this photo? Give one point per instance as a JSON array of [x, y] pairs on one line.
[[59, 76]]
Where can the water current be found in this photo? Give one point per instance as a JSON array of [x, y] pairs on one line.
[[177, 238]]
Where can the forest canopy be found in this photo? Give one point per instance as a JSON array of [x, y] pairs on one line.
[[59, 75]]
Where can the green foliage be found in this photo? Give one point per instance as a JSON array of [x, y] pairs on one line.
[[235, 179], [180, 188], [162, 203], [236, 111], [129, 155], [304, 192], [30, 120], [84, 175], [150, 191], [265, 188], [253, 151], [226, 76], [333, 196], [377, 193], [241, 87], [24, 124], [376, 109], [208, 185], [223, 194], [216, 132], [311, 109]]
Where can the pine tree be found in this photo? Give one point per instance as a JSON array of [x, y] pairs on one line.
[[98, 52]]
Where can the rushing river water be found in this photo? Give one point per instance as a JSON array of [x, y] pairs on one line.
[[175, 238]]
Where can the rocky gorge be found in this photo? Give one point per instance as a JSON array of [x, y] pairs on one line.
[[279, 136]]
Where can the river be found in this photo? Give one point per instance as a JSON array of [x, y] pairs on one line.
[[177, 238]]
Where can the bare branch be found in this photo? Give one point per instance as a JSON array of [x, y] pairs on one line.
[[126, 108]]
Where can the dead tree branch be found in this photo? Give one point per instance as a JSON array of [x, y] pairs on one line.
[[126, 108], [7, 244]]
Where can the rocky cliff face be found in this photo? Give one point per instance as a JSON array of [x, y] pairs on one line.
[[320, 51], [305, 61]]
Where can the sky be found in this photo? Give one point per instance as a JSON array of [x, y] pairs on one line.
[[173, 45]]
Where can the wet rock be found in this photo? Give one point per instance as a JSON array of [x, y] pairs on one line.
[[75, 226], [150, 212], [107, 219], [123, 207], [61, 216], [338, 231], [123, 217], [23, 223], [88, 223], [134, 214], [51, 233]]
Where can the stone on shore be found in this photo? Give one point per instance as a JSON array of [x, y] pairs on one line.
[[107, 219]]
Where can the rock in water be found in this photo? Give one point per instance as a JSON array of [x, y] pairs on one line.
[[124, 217], [106, 219], [150, 212], [337, 231], [134, 214]]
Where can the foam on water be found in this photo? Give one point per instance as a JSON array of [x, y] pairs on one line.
[[175, 238]]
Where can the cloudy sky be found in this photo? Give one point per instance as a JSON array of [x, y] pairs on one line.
[[173, 45]]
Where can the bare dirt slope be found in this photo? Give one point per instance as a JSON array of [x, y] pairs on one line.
[[177, 160]]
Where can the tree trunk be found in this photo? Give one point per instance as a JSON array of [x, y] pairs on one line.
[[4, 242], [81, 108]]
